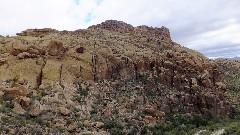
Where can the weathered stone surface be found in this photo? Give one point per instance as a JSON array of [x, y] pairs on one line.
[[22, 100], [35, 111], [55, 48], [51, 72], [87, 133], [155, 113], [99, 124], [18, 109], [64, 111], [72, 127], [3, 61], [16, 92], [25, 69]]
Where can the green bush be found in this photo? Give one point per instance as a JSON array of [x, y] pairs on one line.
[[9, 104], [80, 125], [199, 120], [146, 131], [177, 123], [78, 98], [4, 119], [82, 91], [116, 131], [36, 131], [8, 120], [38, 120], [108, 124], [234, 114], [93, 111], [68, 122]]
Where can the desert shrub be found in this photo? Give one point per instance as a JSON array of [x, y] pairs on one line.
[[68, 122], [58, 130], [113, 127], [230, 132], [145, 131], [80, 125], [44, 93], [163, 127], [235, 126], [142, 78], [108, 124], [4, 130], [6, 101], [177, 123], [234, 113], [151, 93], [62, 85], [4, 119], [84, 92], [116, 131], [36, 131], [39, 120], [93, 111], [9, 104], [77, 99], [233, 88], [81, 90], [233, 131], [9, 121], [199, 120]]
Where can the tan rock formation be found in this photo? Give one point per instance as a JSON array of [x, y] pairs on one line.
[[18, 109], [35, 111], [64, 111]]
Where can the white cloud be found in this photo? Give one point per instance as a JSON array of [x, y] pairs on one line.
[[203, 25], [60, 14], [19, 15]]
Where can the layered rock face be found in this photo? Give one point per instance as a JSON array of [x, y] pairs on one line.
[[109, 68]]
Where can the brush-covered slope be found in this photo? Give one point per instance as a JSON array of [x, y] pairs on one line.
[[231, 69], [109, 76]]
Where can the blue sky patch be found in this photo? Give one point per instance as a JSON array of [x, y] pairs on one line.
[[89, 17], [98, 2], [77, 1]]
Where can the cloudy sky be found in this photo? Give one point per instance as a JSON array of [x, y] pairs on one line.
[[209, 26]]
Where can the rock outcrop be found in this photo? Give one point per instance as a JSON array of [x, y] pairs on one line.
[[113, 25], [108, 71], [37, 32]]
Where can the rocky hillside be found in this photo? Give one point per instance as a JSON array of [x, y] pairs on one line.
[[231, 69], [98, 80]]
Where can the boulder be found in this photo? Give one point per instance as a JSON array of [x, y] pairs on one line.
[[64, 111], [18, 109], [99, 124], [55, 48], [35, 111], [3, 61]]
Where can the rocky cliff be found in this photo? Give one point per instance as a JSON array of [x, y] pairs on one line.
[[109, 71]]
